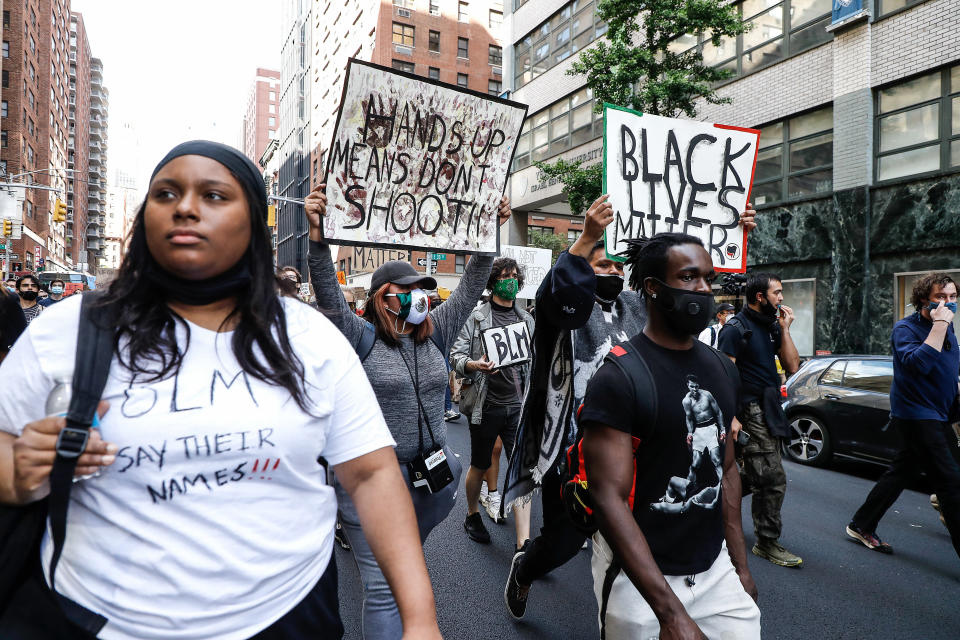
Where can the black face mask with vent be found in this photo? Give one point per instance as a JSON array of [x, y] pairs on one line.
[[688, 311]]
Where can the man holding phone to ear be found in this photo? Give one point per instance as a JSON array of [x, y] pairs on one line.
[[752, 339], [923, 403]]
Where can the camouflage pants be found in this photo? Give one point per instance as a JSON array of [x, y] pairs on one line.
[[762, 471]]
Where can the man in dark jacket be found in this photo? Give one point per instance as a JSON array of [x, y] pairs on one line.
[[582, 312], [923, 400], [753, 339]]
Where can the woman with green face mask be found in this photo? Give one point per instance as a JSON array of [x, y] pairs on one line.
[[407, 368]]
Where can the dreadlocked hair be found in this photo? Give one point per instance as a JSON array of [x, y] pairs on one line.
[[143, 322], [647, 257]]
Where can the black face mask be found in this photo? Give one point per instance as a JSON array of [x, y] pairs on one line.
[[688, 311], [609, 286], [29, 296], [231, 282]]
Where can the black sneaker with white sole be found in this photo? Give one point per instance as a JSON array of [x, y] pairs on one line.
[[473, 525], [515, 593]]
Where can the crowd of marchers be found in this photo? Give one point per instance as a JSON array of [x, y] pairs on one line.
[[238, 431]]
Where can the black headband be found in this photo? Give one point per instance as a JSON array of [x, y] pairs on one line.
[[239, 165]]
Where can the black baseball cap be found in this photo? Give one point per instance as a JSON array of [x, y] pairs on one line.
[[399, 272], [726, 306]]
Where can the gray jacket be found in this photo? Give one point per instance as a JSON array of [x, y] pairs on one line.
[[469, 347]]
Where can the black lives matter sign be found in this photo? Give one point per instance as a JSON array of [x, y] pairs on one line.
[[507, 344], [418, 164], [666, 174]]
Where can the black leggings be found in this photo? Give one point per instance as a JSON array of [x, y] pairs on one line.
[[33, 614]]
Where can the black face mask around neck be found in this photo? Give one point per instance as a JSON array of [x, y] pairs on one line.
[[688, 311], [197, 292]]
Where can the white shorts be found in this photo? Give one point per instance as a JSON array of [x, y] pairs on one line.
[[717, 601], [707, 437]]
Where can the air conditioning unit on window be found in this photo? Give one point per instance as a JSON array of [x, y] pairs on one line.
[[403, 49], [498, 71], [403, 13]]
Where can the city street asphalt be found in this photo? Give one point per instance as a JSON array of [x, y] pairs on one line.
[[843, 591]]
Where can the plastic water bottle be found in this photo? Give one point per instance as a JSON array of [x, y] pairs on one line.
[[58, 402]]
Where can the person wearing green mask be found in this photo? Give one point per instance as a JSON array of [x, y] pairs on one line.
[[56, 293], [491, 398]]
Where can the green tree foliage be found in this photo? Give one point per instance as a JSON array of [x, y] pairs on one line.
[[634, 66], [551, 241]]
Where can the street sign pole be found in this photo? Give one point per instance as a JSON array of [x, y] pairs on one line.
[[429, 263]]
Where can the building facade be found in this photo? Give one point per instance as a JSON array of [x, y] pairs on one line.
[[294, 133], [78, 145], [859, 165], [262, 119], [97, 160]]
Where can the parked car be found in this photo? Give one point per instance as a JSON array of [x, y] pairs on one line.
[[839, 405]]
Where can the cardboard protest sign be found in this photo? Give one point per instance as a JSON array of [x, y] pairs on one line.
[[418, 164], [666, 174], [506, 345], [535, 264]]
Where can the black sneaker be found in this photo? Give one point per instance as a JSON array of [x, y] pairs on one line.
[[473, 525], [514, 593]]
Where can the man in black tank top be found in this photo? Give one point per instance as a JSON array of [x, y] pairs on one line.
[[663, 480]]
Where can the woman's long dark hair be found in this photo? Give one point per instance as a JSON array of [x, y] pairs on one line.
[[149, 325]]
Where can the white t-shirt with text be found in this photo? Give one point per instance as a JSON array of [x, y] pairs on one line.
[[216, 518]]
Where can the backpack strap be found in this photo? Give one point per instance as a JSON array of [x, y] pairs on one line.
[[368, 337], [635, 369], [95, 345]]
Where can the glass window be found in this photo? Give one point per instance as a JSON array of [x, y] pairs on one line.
[[460, 263], [434, 44], [918, 125], [463, 11], [888, 6], [565, 124], [3, 108], [6, 49], [434, 7], [494, 87], [403, 65], [795, 159], [566, 32], [463, 48], [801, 295], [496, 19], [496, 55], [403, 34], [833, 375], [434, 73], [868, 375], [462, 79]]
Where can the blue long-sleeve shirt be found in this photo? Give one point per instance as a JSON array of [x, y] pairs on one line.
[[924, 379]]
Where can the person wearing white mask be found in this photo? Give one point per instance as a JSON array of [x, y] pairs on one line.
[[403, 345], [56, 293]]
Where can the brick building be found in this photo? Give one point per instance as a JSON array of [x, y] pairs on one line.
[[858, 175], [453, 41], [33, 134], [261, 121]]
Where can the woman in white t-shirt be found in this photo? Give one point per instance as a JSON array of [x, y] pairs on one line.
[[209, 516]]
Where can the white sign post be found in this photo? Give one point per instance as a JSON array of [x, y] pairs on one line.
[[506, 345], [418, 164], [535, 263], [665, 174]]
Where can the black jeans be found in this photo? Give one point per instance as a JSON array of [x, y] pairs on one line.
[[559, 540], [929, 446], [33, 614]]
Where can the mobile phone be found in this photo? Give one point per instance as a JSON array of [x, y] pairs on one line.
[[743, 438]]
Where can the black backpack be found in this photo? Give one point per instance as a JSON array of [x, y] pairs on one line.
[[22, 527]]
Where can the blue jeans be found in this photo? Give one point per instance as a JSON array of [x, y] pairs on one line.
[[381, 618]]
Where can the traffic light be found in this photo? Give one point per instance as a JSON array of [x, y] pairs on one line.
[[7, 227], [60, 211]]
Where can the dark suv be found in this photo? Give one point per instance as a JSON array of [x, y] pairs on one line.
[[840, 405]]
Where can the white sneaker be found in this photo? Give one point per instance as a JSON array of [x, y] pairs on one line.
[[493, 507], [484, 495]]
